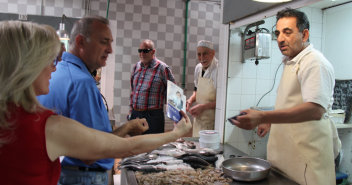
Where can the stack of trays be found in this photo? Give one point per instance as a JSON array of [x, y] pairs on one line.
[[209, 139]]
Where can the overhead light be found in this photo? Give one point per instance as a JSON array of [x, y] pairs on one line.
[[272, 1], [63, 34]]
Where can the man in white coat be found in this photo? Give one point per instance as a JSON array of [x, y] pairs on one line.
[[303, 141], [204, 94]]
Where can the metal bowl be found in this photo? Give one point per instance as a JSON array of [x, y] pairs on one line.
[[246, 168]]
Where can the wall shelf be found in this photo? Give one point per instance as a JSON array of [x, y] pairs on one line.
[[338, 126]]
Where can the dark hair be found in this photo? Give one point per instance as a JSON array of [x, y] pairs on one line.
[[302, 22], [83, 27]]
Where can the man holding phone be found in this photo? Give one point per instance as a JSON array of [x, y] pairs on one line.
[[303, 141]]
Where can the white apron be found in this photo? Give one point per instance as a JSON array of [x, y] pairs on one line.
[[206, 93], [302, 151]]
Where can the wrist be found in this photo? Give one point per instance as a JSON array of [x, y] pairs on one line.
[[190, 100], [263, 117], [177, 133]]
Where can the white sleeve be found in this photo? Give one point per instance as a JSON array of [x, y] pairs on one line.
[[317, 82], [196, 72]]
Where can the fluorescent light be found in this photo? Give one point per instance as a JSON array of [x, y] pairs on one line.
[[272, 1]]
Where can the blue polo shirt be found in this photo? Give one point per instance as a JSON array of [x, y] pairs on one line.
[[73, 94]]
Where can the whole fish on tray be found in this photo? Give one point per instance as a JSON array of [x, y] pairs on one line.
[[180, 140], [209, 159], [169, 152], [184, 145], [196, 160], [161, 159], [170, 162], [190, 144], [166, 146], [140, 158], [203, 151], [144, 168], [218, 162]]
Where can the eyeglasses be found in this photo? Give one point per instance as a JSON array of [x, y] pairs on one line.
[[144, 50]]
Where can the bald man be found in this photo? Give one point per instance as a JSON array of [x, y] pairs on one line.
[[148, 88]]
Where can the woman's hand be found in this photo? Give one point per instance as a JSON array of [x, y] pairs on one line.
[[184, 125]]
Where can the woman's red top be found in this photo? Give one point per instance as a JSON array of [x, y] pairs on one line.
[[24, 160]]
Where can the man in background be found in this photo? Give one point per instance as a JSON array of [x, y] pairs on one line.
[[73, 94], [63, 49], [148, 88], [204, 94]]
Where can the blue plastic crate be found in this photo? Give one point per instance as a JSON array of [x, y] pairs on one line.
[[340, 175]]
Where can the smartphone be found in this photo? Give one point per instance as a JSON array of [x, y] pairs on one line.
[[235, 117]]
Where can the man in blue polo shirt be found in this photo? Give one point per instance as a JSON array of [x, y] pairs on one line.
[[73, 94]]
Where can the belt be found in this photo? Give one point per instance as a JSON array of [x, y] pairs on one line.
[[147, 109], [80, 168]]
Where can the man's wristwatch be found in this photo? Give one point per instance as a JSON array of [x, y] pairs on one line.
[[128, 117]]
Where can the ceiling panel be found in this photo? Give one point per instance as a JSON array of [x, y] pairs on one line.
[[328, 3]]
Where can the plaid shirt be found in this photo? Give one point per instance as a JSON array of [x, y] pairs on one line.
[[148, 85]]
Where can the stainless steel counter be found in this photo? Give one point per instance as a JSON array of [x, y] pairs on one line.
[[274, 178]]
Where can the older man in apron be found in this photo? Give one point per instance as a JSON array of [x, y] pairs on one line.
[[204, 94], [303, 142]]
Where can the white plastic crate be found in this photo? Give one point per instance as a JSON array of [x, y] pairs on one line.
[[338, 116]]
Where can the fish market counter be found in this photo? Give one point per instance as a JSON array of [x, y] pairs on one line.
[[274, 178]]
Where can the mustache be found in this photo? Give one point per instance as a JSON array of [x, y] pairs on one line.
[[283, 43]]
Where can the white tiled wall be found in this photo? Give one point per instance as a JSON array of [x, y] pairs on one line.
[[247, 83], [337, 24]]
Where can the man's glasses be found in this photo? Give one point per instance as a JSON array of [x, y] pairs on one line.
[[144, 50]]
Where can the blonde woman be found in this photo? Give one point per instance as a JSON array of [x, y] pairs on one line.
[[32, 137]]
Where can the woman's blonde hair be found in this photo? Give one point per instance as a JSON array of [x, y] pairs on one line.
[[25, 50]]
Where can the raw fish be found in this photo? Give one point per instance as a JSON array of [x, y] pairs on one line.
[[209, 159], [169, 152], [137, 158], [196, 160], [218, 163], [144, 168], [164, 146], [203, 151]]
